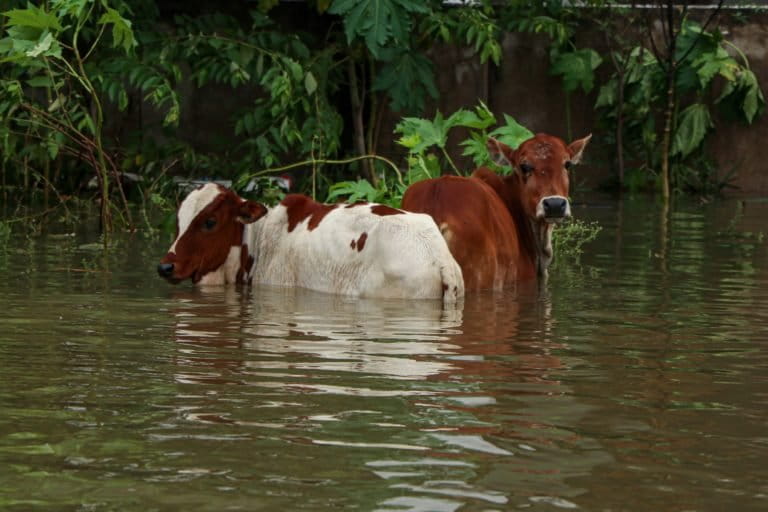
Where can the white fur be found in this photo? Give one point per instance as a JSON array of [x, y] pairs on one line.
[[227, 273], [404, 255], [193, 204]]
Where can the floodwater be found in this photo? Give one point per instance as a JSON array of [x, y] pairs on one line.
[[636, 380]]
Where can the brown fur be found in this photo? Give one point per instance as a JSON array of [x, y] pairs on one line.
[[204, 249], [488, 220], [382, 209], [300, 207], [361, 241]]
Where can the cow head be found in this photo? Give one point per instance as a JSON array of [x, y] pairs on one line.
[[542, 164], [209, 244], [539, 186]]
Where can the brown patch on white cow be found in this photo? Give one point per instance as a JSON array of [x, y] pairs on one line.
[[361, 241], [299, 208], [382, 210]]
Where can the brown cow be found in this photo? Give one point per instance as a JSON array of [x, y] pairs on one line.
[[499, 228]]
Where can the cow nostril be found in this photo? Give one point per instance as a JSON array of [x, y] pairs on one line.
[[165, 270], [555, 206]]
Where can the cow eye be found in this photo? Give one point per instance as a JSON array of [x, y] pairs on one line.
[[210, 223], [568, 165], [526, 168]]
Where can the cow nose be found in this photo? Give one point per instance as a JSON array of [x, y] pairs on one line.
[[165, 270], [555, 207]]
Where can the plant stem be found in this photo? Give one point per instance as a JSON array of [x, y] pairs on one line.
[[450, 161], [323, 161]]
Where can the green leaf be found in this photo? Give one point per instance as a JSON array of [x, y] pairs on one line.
[[695, 122], [353, 191], [476, 148], [753, 98], [122, 33], [377, 21], [512, 133], [310, 84], [576, 68], [47, 46], [420, 133], [122, 100], [607, 95], [468, 119], [35, 17], [53, 148], [422, 167], [40, 81], [711, 64], [407, 77]]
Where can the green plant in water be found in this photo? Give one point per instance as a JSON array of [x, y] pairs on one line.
[[569, 239], [49, 47]]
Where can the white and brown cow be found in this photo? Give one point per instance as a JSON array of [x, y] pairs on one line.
[[364, 249]]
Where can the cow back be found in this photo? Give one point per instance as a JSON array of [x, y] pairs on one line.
[[477, 226]]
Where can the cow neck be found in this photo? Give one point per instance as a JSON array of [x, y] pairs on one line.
[[249, 253], [534, 237]]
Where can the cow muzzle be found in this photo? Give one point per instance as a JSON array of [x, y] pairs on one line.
[[553, 209], [165, 270]]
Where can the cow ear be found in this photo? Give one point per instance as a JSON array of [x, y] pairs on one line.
[[576, 148], [501, 154], [251, 212]]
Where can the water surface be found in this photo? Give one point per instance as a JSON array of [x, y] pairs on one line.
[[637, 380]]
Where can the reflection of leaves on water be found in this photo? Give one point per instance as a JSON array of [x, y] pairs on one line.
[[744, 242]]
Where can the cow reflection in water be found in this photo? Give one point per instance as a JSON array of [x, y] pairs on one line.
[[273, 328], [482, 381], [238, 329], [228, 334]]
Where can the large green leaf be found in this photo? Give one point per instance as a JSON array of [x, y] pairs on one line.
[[407, 78], [695, 122], [577, 68], [34, 17], [743, 96], [711, 64], [420, 134], [377, 21], [481, 119], [753, 97], [512, 133]]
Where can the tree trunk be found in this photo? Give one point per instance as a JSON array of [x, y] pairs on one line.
[[620, 130], [666, 141], [357, 121]]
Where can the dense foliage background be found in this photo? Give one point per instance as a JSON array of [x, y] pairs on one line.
[[94, 93]]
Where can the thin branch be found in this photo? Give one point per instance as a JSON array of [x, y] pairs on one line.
[[273, 170]]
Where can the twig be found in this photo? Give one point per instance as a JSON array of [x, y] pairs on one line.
[[272, 170]]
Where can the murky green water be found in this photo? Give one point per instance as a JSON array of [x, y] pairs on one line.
[[638, 382]]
